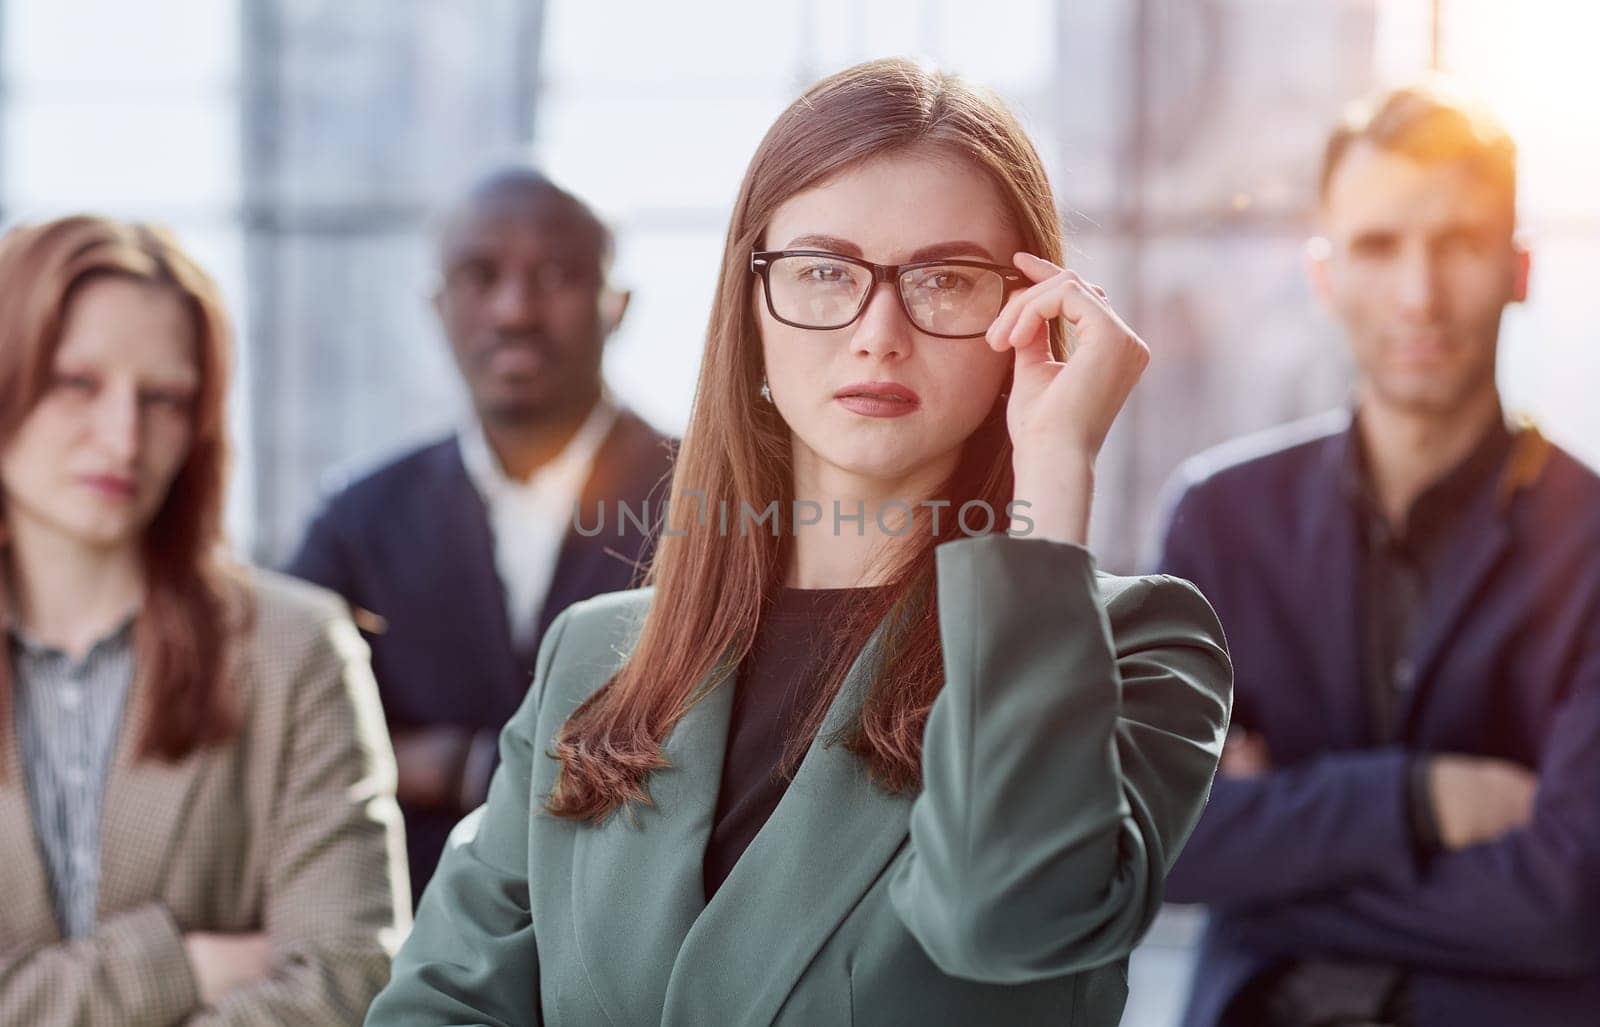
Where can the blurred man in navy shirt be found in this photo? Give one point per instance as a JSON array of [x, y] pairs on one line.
[[1406, 827]]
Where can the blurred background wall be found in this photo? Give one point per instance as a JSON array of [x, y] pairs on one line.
[[298, 147]]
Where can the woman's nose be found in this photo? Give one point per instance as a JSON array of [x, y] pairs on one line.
[[116, 422], [883, 329]]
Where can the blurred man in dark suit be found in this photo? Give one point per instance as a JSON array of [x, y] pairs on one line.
[[1406, 826], [461, 553]]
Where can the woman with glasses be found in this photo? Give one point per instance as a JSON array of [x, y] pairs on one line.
[[197, 818], [876, 743]]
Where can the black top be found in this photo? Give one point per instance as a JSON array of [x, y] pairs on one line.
[[774, 689]]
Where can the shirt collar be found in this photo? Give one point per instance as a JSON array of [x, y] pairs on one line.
[[119, 636], [1447, 494], [566, 470]]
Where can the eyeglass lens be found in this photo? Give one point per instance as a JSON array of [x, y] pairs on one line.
[[944, 299]]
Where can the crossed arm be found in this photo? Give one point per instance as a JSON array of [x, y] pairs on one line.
[[1321, 855]]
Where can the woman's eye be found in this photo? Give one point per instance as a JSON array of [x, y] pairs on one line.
[[945, 281], [79, 384], [824, 274], [166, 400]]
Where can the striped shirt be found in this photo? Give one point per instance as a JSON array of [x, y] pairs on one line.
[[68, 712]]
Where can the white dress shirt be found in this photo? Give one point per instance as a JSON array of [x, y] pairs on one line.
[[529, 518]]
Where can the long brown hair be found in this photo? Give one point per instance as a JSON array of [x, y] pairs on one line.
[[183, 624], [710, 588]]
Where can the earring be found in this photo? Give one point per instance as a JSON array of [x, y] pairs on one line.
[[766, 390]]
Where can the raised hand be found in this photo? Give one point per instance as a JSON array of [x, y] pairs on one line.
[[1060, 411]]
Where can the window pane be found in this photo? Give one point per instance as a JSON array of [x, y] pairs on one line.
[[148, 42], [681, 153], [122, 155], [1549, 362], [655, 357], [590, 46]]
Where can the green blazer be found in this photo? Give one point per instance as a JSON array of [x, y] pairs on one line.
[[1065, 762]]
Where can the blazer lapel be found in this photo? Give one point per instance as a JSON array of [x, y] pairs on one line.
[[146, 801], [1328, 584], [30, 916], [825, 845], [637, 880]]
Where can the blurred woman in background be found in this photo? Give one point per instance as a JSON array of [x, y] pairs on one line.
[[196, 791]]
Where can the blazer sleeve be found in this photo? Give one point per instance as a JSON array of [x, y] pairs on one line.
[[1340, 819], [337, 896], [472, 956], [132, 970], [1527, 903], [1064, 763]]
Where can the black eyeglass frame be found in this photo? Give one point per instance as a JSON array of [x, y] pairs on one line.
[[761, 262]]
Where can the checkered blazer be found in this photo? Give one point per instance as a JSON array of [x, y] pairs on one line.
[[290, 829]]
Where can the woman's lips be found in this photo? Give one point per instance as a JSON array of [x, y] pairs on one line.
[[878, 398], [876, 405], [110, 486]]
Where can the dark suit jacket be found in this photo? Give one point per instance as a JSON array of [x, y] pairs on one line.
[[411, 543], [1316, 856], [1063, 763]]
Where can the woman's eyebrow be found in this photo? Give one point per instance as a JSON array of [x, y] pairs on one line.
[[934, 251], [955, 248], [831, 243]]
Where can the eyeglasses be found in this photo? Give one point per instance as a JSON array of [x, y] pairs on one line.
[[950, 299]]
